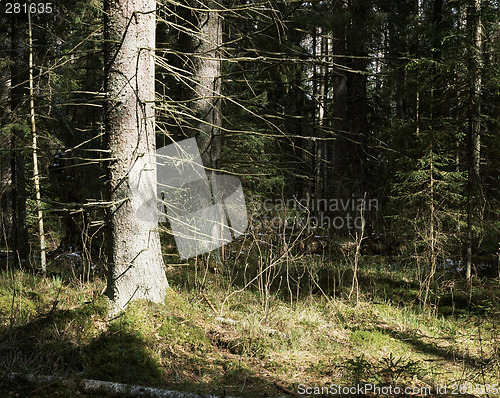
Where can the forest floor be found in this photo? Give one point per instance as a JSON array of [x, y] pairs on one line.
[[225, 333]]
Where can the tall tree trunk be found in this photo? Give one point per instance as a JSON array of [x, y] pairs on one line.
[[19, 80], [324, 120], [309, 155], [338, 161], [474, 132], [36, 176], [207, 87], [207, 95], [321, 103], [357, 103], [135, 264], [6, 213]]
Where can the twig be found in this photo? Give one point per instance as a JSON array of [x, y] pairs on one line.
[[209, 303]]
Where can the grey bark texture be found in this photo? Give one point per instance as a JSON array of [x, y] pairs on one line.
[[207, 87], [135, 265]]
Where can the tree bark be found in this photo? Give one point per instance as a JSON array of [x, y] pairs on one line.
[[135, 264], [357, 103], [18, 84], [474, 131], [6, 213], [34, 135], [207, 93], [339, 161], [321, 104], [207, 87]]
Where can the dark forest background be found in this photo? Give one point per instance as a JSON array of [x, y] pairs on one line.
[[335, 100], [316, 106]]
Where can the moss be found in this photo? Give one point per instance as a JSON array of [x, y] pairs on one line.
[[122, 356], [182, 332], [258, 347], [175, 301], [371, 339]]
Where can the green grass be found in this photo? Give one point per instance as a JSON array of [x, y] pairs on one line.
[[59, 326]]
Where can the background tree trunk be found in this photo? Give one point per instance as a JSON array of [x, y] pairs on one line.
[[321, 102], [339, 161], [207, 93], [18, 84], [34, 135], [474, 132], [357, 104], [207, 86], [6, 213], [135, 265]]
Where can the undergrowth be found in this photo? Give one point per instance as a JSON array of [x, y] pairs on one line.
[[216, 337]]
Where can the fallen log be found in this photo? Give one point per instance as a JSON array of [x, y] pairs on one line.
[[108, 388]]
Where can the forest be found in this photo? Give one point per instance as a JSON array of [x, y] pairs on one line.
[[272, 198]]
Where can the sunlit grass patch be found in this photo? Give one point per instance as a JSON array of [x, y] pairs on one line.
[[218, 338]]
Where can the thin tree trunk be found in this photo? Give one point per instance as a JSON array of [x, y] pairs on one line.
[[432, 231], [320, 103], [36, 177], [474, 132], [6, 227], [338, 159], [135, 264], [357, 103], [19, 80], [309, 157], [327, 183], [6, 213]]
